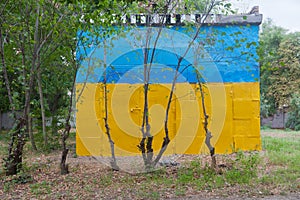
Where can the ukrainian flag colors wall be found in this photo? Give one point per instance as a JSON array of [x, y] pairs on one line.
[[226, 58]]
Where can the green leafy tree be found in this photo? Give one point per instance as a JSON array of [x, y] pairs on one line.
[[280, 63], [89, 20], [38, 47], [285, 78], [293, 121], [13, 33], [270, 40]]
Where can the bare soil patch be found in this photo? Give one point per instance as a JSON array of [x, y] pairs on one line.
[[280, 134]]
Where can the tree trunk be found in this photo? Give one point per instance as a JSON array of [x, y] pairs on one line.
[[53, 106], [64, 168], [166, 122], [0, 121], [113, 161], [145, 145], [31, 82], [30, 132], [15, 153], [208, 134], [39, 81], [13, 162]]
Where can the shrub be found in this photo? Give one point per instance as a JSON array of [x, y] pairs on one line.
[[293, 121]]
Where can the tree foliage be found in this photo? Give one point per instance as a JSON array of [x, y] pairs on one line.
[[285, 76], [39, 65], [280, 68]]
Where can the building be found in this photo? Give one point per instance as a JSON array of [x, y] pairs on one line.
[[224, 54]]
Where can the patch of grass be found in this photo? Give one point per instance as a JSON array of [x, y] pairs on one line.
[[105, 180], [4, 140], [219, 182], [147, 190], [245, 168], [283, 151], [287, 132], [284, 156], [266, 127], [8, 186], [180, 191], [205, 177], [242, 170], [185, 175], [153, 195], [159, 177], [4, 136], [41, 188], [88, 188]]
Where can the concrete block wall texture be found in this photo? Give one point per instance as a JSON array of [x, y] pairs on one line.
[[224, 54]]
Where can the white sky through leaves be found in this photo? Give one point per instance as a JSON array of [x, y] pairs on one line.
[[284, 13]]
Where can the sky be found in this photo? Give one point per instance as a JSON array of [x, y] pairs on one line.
[[284, 13]]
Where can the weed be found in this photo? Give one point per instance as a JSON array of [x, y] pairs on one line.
[[235, 176], [88, 188], [219, 182], [153, 195], [199, 183], [106, 180], [8, 186], [244, 169], [41, 188], [185, 175], [144, 191], [180, 191], [159, 177], [23, 178]]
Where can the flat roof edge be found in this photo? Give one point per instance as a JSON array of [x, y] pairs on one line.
[[182, 19]]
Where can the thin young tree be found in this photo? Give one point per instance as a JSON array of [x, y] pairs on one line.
[[27, 40], [36, 39], [113, 162], [206, 8], [208, 134], [164, 7], [92, 19]]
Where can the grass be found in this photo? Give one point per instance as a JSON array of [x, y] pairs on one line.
[[273, 171], [198, 177], [41, 188], [4, 139], [284, 155]]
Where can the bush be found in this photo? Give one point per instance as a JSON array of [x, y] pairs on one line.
[[267, 106], [293, 121]]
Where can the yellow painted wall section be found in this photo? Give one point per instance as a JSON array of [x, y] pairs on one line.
[[233, 110]]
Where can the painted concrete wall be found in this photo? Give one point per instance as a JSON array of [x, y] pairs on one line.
[[225, 55]]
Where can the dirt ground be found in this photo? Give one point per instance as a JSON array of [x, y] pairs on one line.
[[47, 183], [279, 134]]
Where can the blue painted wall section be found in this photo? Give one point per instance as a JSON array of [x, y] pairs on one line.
[[232, 49]]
